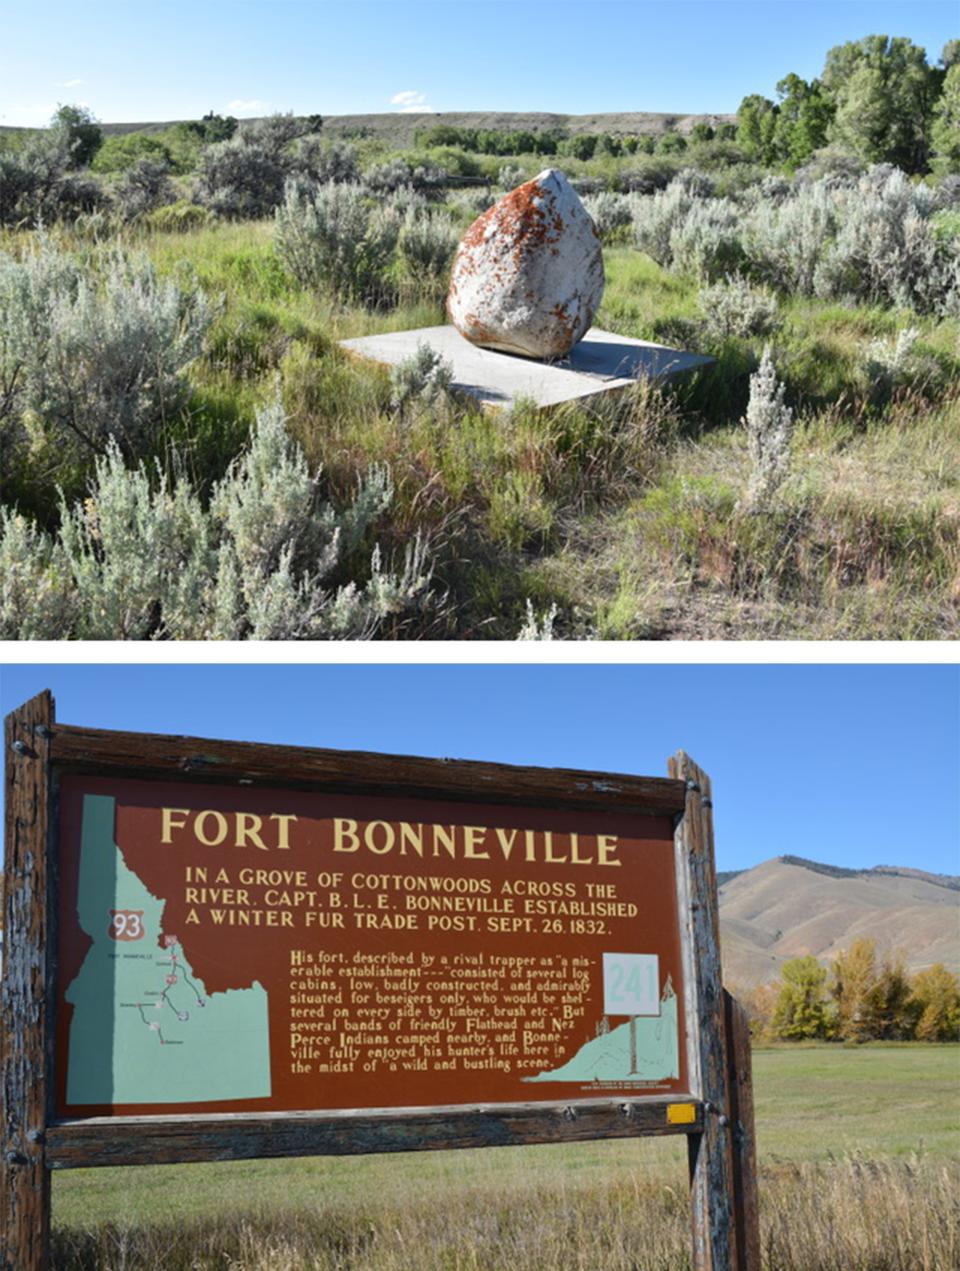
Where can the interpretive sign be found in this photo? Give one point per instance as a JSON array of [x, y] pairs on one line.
[[219, 950]]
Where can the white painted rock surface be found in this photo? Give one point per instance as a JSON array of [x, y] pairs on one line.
[[528, 275]]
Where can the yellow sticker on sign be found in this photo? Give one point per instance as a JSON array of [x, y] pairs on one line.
[[681, 1113]]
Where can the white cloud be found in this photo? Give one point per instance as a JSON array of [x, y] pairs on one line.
[[253, 106], [409, 98], [71, 83]]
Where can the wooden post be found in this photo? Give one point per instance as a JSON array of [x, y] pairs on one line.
[[713, 1175], [740, 1085], [24, 1061]]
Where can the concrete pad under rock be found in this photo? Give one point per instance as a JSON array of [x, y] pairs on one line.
[[600, 363]]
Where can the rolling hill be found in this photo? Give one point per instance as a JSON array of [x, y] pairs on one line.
[[397, 128], [787, 907]]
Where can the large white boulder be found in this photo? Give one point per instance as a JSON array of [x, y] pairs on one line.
[[528, 275]]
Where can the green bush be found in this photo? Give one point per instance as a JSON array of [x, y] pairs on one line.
[[141, 558], [333, 237], [732, 307], [427, 245], [118, 153], [178, 218], [89, 353], [80, 131]]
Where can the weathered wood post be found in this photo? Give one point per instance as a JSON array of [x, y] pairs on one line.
[[740, 1086], [721, 1157], [24, 1033]]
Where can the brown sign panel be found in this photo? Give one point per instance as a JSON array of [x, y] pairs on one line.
[[240, 950]]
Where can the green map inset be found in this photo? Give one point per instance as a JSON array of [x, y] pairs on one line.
[[645, 1048], [144, 1028]]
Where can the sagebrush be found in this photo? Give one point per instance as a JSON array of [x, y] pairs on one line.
[[142, 558]]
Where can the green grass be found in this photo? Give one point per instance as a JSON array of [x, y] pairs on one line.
[[879, 1100], [812, 1104], [625, 515], [857, 1173]]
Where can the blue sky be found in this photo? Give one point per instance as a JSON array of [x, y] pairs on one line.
[[154, 61], [851, 765]]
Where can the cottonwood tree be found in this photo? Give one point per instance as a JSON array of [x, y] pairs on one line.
[[884, 92], [936, 1003], [854, 976], [757, 127], [803, 119], [801, 1009], [945, 133], [888, 1001]]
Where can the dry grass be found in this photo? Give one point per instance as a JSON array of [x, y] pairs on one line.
[[850, 1215], [864, 542]]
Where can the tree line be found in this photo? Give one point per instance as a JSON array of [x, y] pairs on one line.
[[878, 98], [860, 997]]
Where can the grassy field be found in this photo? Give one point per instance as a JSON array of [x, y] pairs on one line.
[[857, 1150], [628, 517]]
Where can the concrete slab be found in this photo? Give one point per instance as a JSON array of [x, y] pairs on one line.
[[600, 363]]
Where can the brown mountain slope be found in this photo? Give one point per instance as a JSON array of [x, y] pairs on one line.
[[784, 908]]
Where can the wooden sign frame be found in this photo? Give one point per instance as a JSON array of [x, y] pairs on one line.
[[38, 750]]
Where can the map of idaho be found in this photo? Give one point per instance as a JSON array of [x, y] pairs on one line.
[[639, 1050], [144, 1029]]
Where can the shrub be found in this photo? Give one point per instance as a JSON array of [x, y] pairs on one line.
[[326, 163], [733, 308], [948, 191], [36, 599], [335, 238], [427, 244], [275, 133], [684, 231], [892, 364], [178, 218], [407, 203], [832, 164], [240, 178], [509, 177], [588, 185], [425, 378], [143, 188], [538, 627], [695, 183], [706, 241], [886, 249], [119, 153], [385, 178], [80, 133], [89, 353], [449, 160], [785, 239], [648, 178], [671, 143], [611, 213], [656, 217], [769, 425], [140, 558], [37, 185], [472, 202]]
